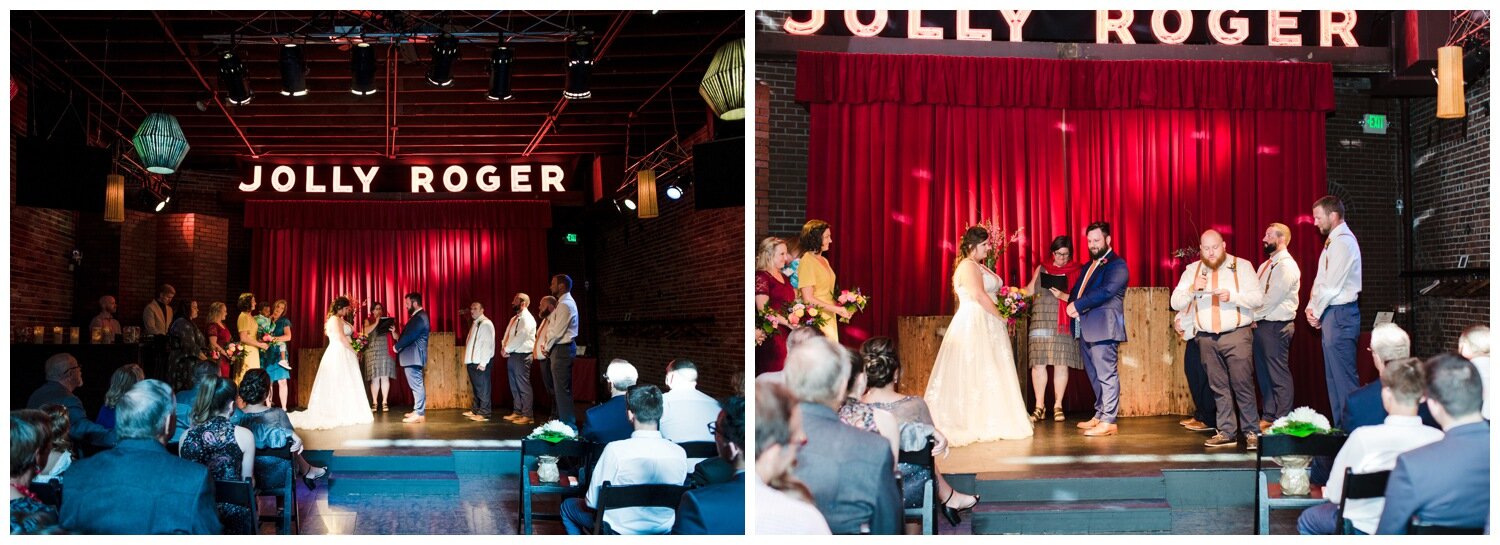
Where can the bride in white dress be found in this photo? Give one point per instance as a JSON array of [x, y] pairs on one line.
[[338, 393], [973, 393]]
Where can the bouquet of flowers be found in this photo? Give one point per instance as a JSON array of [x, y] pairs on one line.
[[800, 315], [554, 432], [764, 325], [1301, 422], [852, 301], [358, 343], [236, 353], [1013, 303], [999, 240]]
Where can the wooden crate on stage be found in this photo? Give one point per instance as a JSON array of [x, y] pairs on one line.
[[446, 379], [1150, 366]]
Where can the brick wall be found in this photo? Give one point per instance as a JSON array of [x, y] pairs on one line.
[[1451, 194], [1364, 170], [193, 256], [138, 280], [762, 160], [41, 286]]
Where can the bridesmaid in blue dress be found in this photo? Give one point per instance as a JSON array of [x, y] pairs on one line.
[[278, 362]]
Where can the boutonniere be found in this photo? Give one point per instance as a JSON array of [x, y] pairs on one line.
[[1234, 265]]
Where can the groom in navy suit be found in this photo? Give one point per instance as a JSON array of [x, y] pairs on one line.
[[411, 350], [1098, 312]]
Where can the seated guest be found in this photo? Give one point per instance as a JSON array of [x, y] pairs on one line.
[[884, 371], [202, 370], [1446, 483], [272, 430], [120, 382], [105, 321], [796, 337], [645, 458], [227, 450], [855, 412], [850, 472], [61, 455], [137, 487], [1374, 448], [686, 412], [1474, 345], [1388, 342], [783, 505], [606, 422], [63, 377], [719, 509], [28, 449]]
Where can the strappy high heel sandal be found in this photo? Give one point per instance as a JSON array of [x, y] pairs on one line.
[[1057, 414], [953, 514], [1038, 414]]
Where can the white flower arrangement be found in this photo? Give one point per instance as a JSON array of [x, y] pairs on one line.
[[1302, 422], [554, 432]]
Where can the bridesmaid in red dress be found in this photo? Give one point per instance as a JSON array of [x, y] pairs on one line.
[[219, 337], [774, 292]]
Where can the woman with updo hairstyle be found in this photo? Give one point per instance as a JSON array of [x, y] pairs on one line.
[[859, 414], [227, 450], [883, 373], [272, 429], [815, 277], [773, 294]]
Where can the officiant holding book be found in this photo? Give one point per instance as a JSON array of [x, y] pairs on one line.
[[1051, 340]]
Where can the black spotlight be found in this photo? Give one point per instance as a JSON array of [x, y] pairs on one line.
[[444, 52], [293, 71], [580, 65], [235, 80], [362, 64], [500, 60]]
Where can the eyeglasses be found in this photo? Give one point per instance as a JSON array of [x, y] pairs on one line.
[[713, 427], [1061, 253]]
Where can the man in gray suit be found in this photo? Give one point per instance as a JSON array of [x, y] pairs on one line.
[[63, 376], [848, 470], [1446, 483]]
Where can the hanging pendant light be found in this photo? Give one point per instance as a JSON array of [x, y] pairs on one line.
[[1450, 76], [645, 185], [723, 86], [114, 198], [160, 143]]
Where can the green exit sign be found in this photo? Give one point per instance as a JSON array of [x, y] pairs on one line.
[[1375, 123], [571, 238]]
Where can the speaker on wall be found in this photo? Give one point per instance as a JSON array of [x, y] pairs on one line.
[[65, 176], [719, 173]]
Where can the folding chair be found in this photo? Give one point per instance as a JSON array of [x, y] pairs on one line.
[[286, 517], [240, 493], [638, 495], [700, 449], [1360, 486], [1268, 495], [531, 484], [928, 511]]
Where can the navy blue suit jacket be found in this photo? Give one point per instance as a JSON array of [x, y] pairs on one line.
[[1101, 309], [1364, 408], [415, 338], [713, 510], [607, 422], [138, 488], [1446, 483]]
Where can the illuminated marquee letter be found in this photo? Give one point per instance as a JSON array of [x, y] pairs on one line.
[[916, 31], [851, 19], [463, 179], [519, 178], [313, 187], [1343, 28], [1159, 25], [255, 184], [552, 177], [365, 178], [811, 26], [421, 177], [1275, 23], [276, 176], [966, 33], [1014, 19], [339, 187], [1104, 25], [1240, 26], [486, 180]]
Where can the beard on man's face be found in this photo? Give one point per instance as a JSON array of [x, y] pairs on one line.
[[1096, 254], [1269, 248], [1215, 264]]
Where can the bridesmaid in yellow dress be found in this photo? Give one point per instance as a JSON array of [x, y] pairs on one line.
[[248, 331], [815, 278]]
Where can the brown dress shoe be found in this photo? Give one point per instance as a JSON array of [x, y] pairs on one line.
[[1088, 424], [1102, 430], [1184, 422], [1265, 426], [479, 418], [522, 421], [1220, 440], [1195, 425]]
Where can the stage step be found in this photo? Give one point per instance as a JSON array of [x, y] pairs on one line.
[[1137, 516], [389, 483], [395, 464], [1076, 489]]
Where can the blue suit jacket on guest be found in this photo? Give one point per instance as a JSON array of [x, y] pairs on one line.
[[1101, 309], [83, 429], [414, 337], [606, 422], [138, 488], [1446, 483], [713, 510], [1365, 408]]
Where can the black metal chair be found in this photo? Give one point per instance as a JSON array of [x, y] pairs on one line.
[[1416, 527], [638, 495], [287, 519], [240, 493], [700, 449], [49, 491], [1360, 486], [927, 512], [1268, 495], [570, 483]]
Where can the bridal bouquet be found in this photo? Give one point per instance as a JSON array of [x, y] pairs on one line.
[[1013, 303], [358, 343], [852, 301], [802, 315], [554, 432], [1301, 422]]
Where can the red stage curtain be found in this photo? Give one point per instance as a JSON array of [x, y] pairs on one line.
[[899, 172], [450, 267]]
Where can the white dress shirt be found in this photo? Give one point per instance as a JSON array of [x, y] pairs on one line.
[[562, 324], [644, 458], [480, 347], [155, 319], [520, 334], [1482, 364], [1234, 275], [1370, 449], [779, 513], [1281, 280], [686, 413], [1340, 271]]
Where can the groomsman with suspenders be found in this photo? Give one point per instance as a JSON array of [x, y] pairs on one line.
[[1275, 320], [1333, 305], [517, 346], [1222, 293]]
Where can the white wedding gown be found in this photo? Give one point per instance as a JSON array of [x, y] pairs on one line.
[[973, 393], [338, 393]]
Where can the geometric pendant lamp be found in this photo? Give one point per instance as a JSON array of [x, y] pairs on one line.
[[160, 143], [1450, 76], [723, 85]]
